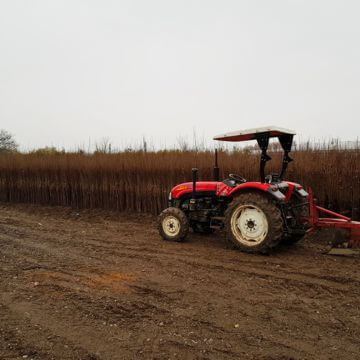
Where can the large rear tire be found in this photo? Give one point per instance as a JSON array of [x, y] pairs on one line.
[[253, 223], [173, 224]]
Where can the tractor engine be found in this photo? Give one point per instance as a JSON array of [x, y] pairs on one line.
[[202, 211]]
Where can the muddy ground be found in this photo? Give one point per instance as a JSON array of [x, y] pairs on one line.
[[91, 285]]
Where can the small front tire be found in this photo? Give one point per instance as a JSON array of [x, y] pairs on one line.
[[173, 225]]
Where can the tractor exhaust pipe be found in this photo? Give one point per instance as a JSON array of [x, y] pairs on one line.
[[194, 180], [216, 168]]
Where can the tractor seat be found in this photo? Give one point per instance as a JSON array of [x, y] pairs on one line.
[[233, 180], [272, 179]]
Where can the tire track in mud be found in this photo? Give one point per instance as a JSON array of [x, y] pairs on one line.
[[298, 287], [92, 347], [328, 284], [184, 298], [67, 288]]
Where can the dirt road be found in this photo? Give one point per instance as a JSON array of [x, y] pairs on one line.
[[93, 285]]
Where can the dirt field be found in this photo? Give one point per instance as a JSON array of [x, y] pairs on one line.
[[93, 285]]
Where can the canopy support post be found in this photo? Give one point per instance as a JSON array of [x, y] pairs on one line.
[[286, 143], [263, 142]]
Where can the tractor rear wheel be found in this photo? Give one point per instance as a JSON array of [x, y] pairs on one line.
[[253, 223], [173, 224]]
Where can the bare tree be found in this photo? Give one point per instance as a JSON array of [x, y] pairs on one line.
[[145, 146], [103, 146], [7, 142]]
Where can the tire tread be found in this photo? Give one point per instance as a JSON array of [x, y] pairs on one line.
[[273, 215], [184, 224]]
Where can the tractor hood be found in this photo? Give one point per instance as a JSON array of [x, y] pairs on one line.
[[201, 186], [224, 190], [282, 191]]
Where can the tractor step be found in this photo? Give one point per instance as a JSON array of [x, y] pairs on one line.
[[218, 218], [216, 227], [219, 222]]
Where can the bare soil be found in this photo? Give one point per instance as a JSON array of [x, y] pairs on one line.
[[94, 285]]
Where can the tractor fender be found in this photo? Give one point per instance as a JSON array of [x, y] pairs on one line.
[[294, 188], [269, 189]]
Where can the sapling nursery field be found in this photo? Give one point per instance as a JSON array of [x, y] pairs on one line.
[[139, 181]]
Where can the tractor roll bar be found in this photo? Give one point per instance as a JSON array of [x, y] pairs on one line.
[[263, 142], [286, 143], [216, 167], [194, 180], [285, 140]]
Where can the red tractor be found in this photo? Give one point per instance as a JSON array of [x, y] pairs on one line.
[[256, 215]]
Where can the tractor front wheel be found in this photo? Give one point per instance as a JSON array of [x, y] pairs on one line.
[[173, 224], [253, 223]]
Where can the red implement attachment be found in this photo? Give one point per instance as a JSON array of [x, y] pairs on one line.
[[351, 245]]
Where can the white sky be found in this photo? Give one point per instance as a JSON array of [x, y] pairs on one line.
[[74, 70]]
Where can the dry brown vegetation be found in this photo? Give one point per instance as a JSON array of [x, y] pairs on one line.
[[140, 181]]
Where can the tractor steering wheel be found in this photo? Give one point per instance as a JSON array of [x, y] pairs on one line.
[[237, 178]]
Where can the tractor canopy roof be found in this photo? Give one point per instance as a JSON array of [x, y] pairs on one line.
[[253, 134], [262, 136]]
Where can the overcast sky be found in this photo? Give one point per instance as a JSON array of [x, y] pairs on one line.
[[74, 70]]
